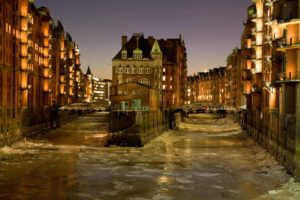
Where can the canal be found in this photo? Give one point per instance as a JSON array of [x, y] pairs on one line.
[[206, 158]]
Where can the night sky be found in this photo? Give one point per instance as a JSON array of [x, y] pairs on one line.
[[210, 28]]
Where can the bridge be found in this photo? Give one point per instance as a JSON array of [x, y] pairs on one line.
[[85, 107], [200, 108]]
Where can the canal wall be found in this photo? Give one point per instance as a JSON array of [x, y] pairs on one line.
[[136, 128], [276, 133], [28, 125]]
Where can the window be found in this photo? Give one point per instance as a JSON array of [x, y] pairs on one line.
[[124, 54], [141, 70], [164, 78], [127, 70], [120, 70], [147, 70], [164, 69], [133, 70], [119, 92]]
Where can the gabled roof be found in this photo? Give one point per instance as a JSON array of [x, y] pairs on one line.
[[144, 45], [156, 48]]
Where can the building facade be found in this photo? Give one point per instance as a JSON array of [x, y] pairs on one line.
[[138, 61], [270, 62], [174, 71], [207, 88], [38, 66]]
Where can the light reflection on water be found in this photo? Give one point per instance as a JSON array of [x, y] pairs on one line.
[[176, 165]]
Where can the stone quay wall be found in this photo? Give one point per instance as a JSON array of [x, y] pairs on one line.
[[276, 133], [136, 128], [28, 125]]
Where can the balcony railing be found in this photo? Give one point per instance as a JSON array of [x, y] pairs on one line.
[[289, 76]]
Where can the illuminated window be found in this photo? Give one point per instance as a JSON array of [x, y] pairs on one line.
[[147, 70], [164, 78], [164, 87], [141, 70], [133, 70], [164, 69], [127, 70]]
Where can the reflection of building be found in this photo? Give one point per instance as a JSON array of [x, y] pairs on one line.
[[39, 63], [139, 61]]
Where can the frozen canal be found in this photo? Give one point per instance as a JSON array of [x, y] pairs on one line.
[[204, 159]]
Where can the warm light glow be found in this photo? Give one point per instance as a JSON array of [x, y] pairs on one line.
[[259, 25], [46, 42], [24, 8], [62, 89], [24, 80], [259, 39], [46, 29], [258, 66], [24, 25], [62, 79], [249, 64], [259, 52], [23, 50], [24, 63], [249, 43], [46, 85], [46, 72], [23, 37]]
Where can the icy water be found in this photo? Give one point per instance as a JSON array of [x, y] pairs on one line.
[[205, 159]]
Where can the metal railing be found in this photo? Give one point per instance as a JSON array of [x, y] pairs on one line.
[[289, 76]]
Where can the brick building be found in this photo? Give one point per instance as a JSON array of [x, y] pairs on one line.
[[270, 61], [174, 71], [207, 88], [138, 61], [37, 57]]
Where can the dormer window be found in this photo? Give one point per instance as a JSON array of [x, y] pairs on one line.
[[124, 54], [138, 54]]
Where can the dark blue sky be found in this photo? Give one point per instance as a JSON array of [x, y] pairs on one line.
[[210, 28]]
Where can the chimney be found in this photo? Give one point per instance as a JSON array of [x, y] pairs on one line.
[[124, 40], [151, 40]]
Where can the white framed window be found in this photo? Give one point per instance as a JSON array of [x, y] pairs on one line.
[[133, 70], [141, 70], [147, 70], [127, 70], [120, 70]]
